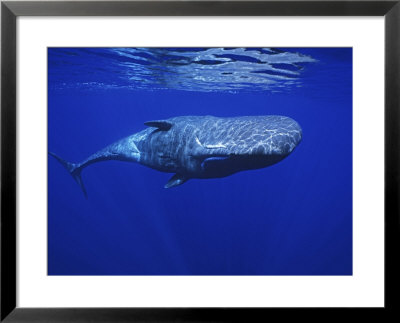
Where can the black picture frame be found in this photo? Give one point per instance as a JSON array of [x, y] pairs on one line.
[[10, 10]]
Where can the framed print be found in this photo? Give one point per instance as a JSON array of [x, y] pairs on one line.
[[198, 161]]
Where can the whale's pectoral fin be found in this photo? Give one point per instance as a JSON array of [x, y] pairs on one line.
[[160, 124], [176, 180]]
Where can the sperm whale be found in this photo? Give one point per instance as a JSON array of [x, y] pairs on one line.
[[200, 146]]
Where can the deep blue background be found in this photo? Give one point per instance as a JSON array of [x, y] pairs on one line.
[[293, 218]]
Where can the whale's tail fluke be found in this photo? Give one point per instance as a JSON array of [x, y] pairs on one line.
[[74, 169]]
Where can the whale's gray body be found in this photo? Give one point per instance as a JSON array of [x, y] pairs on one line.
[[202, 146]]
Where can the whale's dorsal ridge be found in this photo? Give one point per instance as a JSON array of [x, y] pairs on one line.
[[163, 125]]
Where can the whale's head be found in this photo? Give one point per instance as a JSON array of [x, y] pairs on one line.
[[268, 136], [249, 143]]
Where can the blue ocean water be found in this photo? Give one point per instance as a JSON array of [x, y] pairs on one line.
[[292, 218]]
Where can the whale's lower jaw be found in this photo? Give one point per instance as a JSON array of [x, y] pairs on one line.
[[218, 167], [222, 167], [214, 166]]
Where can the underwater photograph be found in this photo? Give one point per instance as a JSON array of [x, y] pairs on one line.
[[200, 161]]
